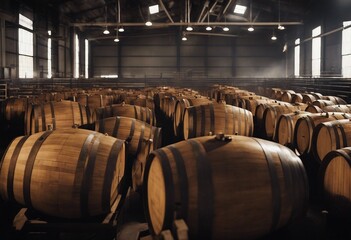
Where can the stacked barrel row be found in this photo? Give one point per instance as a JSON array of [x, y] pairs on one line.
[[184, 114], [193, 179], [315, 127], [63, 171], [190, 177]]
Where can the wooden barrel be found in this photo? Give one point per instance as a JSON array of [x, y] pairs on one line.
[[271, 115], [313, 108], [167, 105], [338, 108], [56, 115], [125, 110], [309, 98], [15, 109], [141, 101], [251, 104], [94, 101], [296, 97], [286, 126], [323, 103], [287, 96], [246, 102], [193, 180], [276, 93], [329, 136], [259, 122], [305, 126], [69, 173], [334, 99], [336, 182], [141, 137], [231, 96], [216, 118], [179, 109]]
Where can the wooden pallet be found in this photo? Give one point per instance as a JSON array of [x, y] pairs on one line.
[[28, 221], [179, 231]]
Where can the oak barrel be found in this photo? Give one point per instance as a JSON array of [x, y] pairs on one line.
[[216, 118], [335, 100], [69, 173], [287, 96], [313, 108], [305, 126], [330, 136], [56, 115], [179, 109], [243, 188], [335, 174], [338, 108], [271, 115], [141, 137], [309, 97], [323, 103], [285, 128], [125, 110]]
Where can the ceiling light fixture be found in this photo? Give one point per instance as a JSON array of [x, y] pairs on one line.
[[118, 9], [117, 38], [208, 28], [187, 17], [106, 31], [184, 38], [148, 23], [250, 29], [273, 36], [225, 29]]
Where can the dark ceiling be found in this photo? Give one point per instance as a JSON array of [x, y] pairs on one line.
[[90, 16]]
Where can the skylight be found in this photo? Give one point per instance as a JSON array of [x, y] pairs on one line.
[[240, 9], [154, 9]]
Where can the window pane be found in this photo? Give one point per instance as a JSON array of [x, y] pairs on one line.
[[297, 58], [49, 58], [316, 52], [25, 22], [346, 50], [76, 56], [25, 42], [25, 67], [86, 58]]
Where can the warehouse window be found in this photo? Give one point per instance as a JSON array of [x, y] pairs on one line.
[[25, 48], [49, 55], [76, 56], [316, 52], [86, 58], [346, 50], [297, 58]]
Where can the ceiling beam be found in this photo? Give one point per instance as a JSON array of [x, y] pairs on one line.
[[209, 11], [224, 9], [203, 10], [155, 24], [166, 11]]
